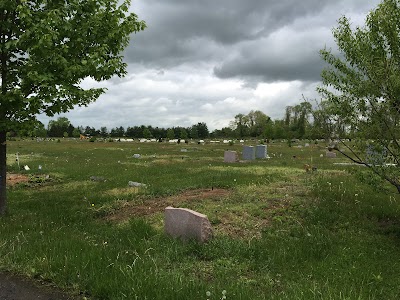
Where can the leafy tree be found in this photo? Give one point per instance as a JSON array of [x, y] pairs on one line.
[[240, 125], [76, 133], [194, 133], [47, 48], [147, 133], [183, 134], [362, 87], [170, 134], [257, 122], [90, 131], [56, 128], [39, 130], [117, 132], [103, 132], [202, 130]]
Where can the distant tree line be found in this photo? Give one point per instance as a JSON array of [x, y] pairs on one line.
[[62, 127], [300, 121]]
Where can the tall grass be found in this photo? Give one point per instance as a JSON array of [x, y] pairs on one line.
[[281, 234]]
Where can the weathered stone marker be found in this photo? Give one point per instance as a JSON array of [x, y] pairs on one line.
[[330, 154], [261, 151], [231, 156], [249, 153], [187, 224]]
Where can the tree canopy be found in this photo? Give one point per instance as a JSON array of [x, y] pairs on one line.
[[362, 86], [47, 47]]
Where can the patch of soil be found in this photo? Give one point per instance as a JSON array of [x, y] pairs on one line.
[[13, 179], [16, 288], [152, 206]]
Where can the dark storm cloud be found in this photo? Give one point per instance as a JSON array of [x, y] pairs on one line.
[[220, 34], [182, 31], [208, 60]]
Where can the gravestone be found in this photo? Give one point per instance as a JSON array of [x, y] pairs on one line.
[[187, 224], [249, 153], [261, 151], [330, 154], [136, 184], [231, 156], [375, 155]]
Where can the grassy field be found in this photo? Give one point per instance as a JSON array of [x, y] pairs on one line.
[[280, 232]]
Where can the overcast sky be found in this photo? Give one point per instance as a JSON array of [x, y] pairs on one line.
[[207, 61]]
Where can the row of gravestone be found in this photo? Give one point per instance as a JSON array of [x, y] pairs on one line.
[[249, 153]]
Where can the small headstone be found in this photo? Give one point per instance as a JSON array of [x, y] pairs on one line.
[[375, 156], [307, 145], [261, 151], [249, 153], [187, 224], [231, 156], [97, 178], [26, 168], [136, 184], [136, 155], [184, 150], [330, 154]]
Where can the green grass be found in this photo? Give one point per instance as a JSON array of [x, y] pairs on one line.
[[280, 233]]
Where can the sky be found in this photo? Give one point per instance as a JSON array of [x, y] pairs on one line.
[[207, 61]]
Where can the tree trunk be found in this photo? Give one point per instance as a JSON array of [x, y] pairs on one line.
[[3, 173]]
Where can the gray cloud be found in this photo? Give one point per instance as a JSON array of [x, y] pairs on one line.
[[207, 60]]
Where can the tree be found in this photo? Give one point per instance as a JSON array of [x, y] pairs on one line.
[[362, 88], [194, 134], [103, 132], [76, 133], [240, 125], [56, 128], [47, 48], [147, 133], [202, 130], [183, 134], [257, 122], [39, 130], [170, 134]]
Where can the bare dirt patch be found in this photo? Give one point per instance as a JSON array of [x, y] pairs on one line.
[[127, 210], [13, 179]]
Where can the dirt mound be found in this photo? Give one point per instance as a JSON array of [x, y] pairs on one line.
[[13, 179], [151, 206]]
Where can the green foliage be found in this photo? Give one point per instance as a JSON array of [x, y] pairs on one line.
[[46, 49], [170, 134], [280, 233], [76, 39], [361, 86], [146, 133]]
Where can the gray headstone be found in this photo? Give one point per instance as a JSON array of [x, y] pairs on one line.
[[136, 184], [97, 178], [187, 224], [330, 154], [249, 153], [231, 156], [261, 151], [375, 156]]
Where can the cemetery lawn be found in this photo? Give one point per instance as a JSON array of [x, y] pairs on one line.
[[279, 232]]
